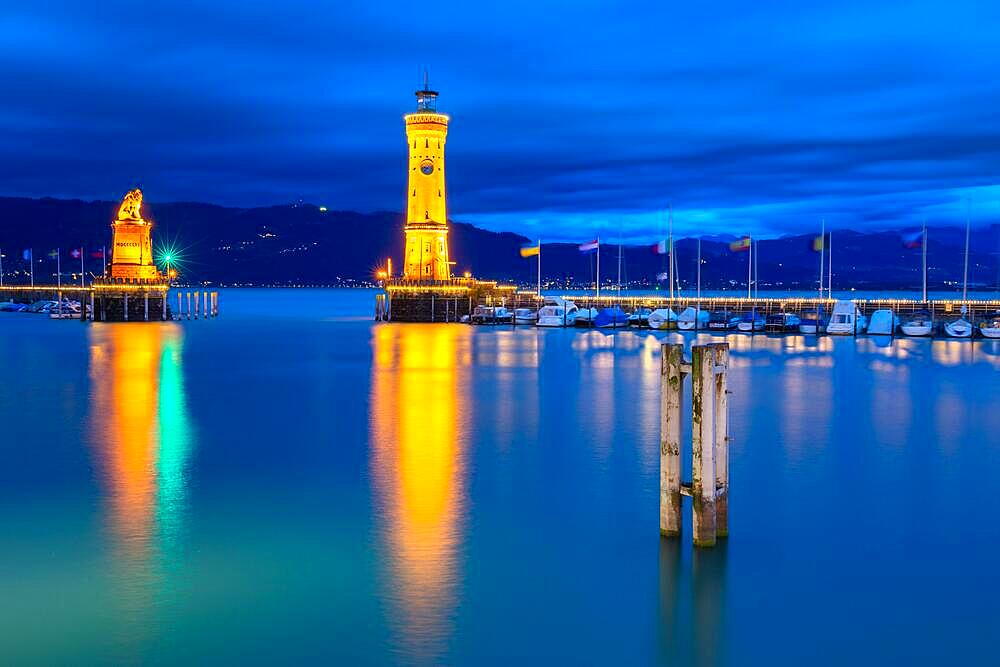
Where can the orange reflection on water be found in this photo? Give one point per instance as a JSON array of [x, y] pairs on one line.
[[139, 432], [418, 413]]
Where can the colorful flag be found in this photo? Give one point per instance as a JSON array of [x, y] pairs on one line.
[[663, 276], [661, 248], [54, 254], [76, 253], [590, 246], [531, 249], [741, 245], [818, 243], [26, 255], [97, 254], [914, 240]]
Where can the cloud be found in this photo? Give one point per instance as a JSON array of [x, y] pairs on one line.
[[764, 117]]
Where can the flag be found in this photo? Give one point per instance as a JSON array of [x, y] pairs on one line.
[[531, 249], [662, 276], [97, 254], [741, 245], [54, 254], [590, 246], [76, 253], [914, 240], [818, 243], [661, 248], [26, 255]]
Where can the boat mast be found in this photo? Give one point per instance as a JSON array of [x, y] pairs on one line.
[[699, 279], [670, 237], [756, 276], [923, 252], [965, 274], [750, 267]]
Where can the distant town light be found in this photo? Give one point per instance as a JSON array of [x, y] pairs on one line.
[[322, 209]]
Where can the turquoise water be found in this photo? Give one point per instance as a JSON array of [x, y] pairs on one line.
[[291, 483]]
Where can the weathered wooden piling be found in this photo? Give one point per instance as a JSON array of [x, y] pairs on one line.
[[671, 383], [709, 487], [189, 305]]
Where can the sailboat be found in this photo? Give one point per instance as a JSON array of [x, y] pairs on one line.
[[962, 327], [920, 322]]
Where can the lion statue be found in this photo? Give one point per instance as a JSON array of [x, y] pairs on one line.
[[131, 205]]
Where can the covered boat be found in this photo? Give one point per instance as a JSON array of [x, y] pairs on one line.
[[812, 322], [990, 327], [883, 323], [611, 318], [525, 316], [783, 322], [639, 317], [752, 321], [960, 328], [662, 318], [723, 320], [691, 319]]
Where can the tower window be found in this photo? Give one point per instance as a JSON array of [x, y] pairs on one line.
[[427, 143], [439, 143]]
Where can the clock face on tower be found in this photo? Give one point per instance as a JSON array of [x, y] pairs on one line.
[[426, 167]]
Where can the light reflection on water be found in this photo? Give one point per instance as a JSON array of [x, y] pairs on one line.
[[140, 437], [443, 494]]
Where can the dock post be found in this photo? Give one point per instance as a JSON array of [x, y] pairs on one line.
[[180, 307], [163, 304], [189, 305], [125, 309], [703, 444], [92, 311], [204, 305], [671, 384], [197, 301], [215, 304], [432, 306], [721, 440], [145, 306]]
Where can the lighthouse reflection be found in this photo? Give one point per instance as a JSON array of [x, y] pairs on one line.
[[418, 449], [141, 438]]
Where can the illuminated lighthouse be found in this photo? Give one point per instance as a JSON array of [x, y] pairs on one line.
[[426, 254]]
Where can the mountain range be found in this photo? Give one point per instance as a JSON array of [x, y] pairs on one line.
[[302, 244]]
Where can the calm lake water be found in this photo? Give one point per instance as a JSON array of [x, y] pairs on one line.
[[291, 483]]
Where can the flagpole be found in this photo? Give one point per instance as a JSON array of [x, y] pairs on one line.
[[822, 248], [539, 268], [598, 268], [83, 251], [104, 261], [1, 267], [58, 267], [756, 275], [924, 258], [670, 235], [829, 276], [31, 255], [698, 306]]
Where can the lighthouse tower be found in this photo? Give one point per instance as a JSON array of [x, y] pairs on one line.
[[426, 254]]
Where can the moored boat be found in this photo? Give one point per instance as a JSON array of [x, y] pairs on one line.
[[883, 322], [917, 323], [990, 327], [846, 319], [639, 317], [723, 320], [491, 315], [562, 314], [662, 318], [783, 322], [690, 319], [812, 322], [752, 321], [525, 316], [585, 317], [960, 328], [611, 318]]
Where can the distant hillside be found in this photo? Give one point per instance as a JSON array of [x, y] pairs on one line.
[[300, 244]]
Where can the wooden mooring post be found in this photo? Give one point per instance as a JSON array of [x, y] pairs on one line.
[[709, 487]]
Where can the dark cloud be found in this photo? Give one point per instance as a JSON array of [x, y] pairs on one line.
[[566, 119]]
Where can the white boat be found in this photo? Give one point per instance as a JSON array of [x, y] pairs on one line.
[[525, 316], [691, 319], [585, 317], [751, 321], [723, 320], [990, 327], [557, 312], [661, 318], [960, 328], [846, 319], [883, 323], [491, 315], [918, 323], [639, 317]]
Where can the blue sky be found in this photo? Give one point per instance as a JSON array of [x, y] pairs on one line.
[[568, 119]]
